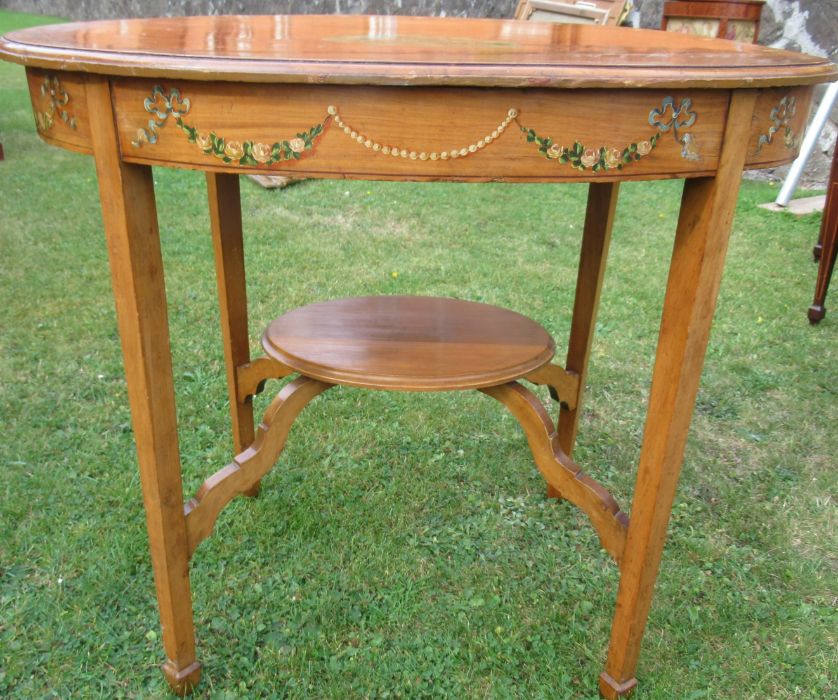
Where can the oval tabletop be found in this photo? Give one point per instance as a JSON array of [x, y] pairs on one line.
[[406, 50], [408, 343]]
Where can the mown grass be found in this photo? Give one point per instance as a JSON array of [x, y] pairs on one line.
[[403, 546]]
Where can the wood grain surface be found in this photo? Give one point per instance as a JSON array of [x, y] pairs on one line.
[[408, 343], [60, 109], [422, 121], [406, 50], [243, 474], [562, 474], [695, 273], [130, 220]]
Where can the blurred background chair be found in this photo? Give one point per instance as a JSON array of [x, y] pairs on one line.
[[737, 20], [601, 12]]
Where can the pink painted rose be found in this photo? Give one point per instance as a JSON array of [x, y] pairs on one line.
[[204, 141], [261, 152], [644, 147], [297, 145], [613, 157], [234, 150], [590, 157], [555, 151]]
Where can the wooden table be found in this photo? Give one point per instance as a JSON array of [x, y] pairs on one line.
[[404, 98]]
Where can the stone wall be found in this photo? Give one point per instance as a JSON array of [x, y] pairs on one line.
[[801, 25], [98, 9], [810, 26]]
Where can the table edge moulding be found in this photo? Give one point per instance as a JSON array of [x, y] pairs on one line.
[[410, 98]]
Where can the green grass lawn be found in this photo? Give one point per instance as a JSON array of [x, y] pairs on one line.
[[403, 545]]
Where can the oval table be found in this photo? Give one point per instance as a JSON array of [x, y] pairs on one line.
[[408, 98]]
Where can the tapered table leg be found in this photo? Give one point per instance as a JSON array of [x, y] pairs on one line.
[[695, 273], [130, 221], [596, 238], [227, 240]]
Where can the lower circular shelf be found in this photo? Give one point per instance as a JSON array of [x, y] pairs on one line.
[[408, 343]]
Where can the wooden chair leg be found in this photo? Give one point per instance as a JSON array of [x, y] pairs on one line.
[[828, 244], [228, 244], [130, 221], [826, 265], [694, 276], [596, 238]]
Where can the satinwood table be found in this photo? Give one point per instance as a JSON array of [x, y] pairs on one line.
[[408, 98]]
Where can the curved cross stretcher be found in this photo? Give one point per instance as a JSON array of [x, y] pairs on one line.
[[408, 343]]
